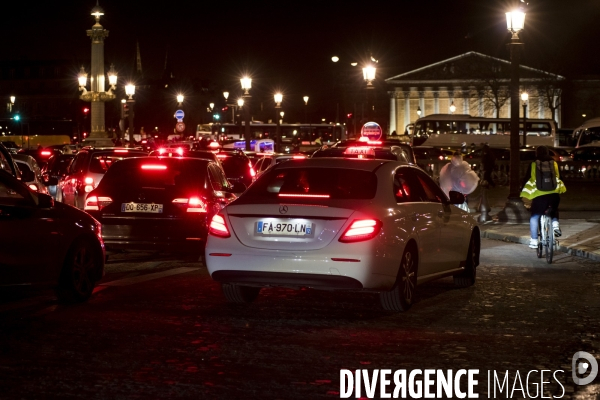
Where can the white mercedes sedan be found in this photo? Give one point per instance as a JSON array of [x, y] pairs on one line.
[[349, 224]]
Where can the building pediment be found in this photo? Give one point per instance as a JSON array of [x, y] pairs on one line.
[[468, 67]]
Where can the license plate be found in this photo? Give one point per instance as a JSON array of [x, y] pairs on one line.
[[284, 227], [142, 208]]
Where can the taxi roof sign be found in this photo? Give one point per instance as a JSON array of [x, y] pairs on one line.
[[360, 151]]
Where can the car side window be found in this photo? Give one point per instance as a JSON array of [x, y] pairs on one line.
[[217, 178], [78, 163], [405, 190], [431, 191]]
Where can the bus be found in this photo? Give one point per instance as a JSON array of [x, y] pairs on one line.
[[31, 133], [588, 134], [306, 134], [458, 130]]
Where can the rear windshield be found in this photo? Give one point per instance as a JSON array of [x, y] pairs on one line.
[[152, 173], [306, 185], [235, 166], [101, 162]]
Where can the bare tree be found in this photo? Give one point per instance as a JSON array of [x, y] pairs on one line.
[[550, 88]]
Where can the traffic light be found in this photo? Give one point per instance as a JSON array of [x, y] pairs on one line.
[[349, 115], [124, 110], [17, 117], [86, 110]]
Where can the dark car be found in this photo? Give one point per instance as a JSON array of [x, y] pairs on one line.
[[8, 164], [160, 203], [183, 152], [41, 156], [237, 166], [42, 242], [56, 168], [88, 168], [586, 153]]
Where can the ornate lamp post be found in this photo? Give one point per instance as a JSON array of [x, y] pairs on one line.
[[524, 98], [180, 99], [97, 95], [246, 86], [130, 91], [514, 209], [452, 108], [240, 104], [278, 97], [369, 75]]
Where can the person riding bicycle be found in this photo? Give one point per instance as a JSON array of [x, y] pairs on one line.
[[542, 200]]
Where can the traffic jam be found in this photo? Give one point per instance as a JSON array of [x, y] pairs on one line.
[[355, 215]]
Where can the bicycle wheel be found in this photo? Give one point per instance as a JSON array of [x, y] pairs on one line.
[[549, 239], [540, 250]]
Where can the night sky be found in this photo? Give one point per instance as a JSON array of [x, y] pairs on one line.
[[288, 45]]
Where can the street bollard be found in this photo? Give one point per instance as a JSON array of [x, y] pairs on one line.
[[483, 207]]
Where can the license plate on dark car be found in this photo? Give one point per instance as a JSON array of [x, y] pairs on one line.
[[142, 208]]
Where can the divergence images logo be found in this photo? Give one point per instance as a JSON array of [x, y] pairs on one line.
[[580, 367]]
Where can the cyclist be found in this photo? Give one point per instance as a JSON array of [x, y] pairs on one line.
[[541, 200]]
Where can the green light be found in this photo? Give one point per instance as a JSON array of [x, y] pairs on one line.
[[17, 117]]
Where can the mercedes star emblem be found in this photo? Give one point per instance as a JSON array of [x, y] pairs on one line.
[[283, 209]]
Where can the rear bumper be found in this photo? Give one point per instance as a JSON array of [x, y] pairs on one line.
[[259, 278]]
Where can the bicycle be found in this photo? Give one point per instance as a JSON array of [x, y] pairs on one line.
[[546, 239]]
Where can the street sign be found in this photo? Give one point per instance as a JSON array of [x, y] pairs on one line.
[[179, 114], [371, 130], [180, 127]]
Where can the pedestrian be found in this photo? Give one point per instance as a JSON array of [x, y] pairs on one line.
[[488, 162], [319, 141], [542, 196], [458, 176]]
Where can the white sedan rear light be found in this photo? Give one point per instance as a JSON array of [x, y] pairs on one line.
[[218, 227], [96, 203], [361, 229]]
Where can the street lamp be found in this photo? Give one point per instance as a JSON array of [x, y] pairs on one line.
[[130, 91], [419, 112], [369, 75], [305, 98], [11, 104], [278, 98], [514, 209], [524, 98], [97, 95], [179, 99], [452, 108], [246, 86]]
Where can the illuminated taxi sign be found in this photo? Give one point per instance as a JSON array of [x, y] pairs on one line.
[[372, 131], [360, 151]]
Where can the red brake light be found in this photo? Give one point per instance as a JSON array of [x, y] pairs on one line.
[[252, 171], [218, 227], [222, 155], [46, 153], [214, 144], [121, 151], [154, 167], [303, 195], [161, 151], [298, 157], [88, 180], [192, 204], [360, 230], [375, 142], [179, 151], [96, 203]]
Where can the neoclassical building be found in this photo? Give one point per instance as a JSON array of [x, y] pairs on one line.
[[475, 84]]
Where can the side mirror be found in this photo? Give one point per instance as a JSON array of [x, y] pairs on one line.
[[238, 187], [51, 181], [45, 201], [456, 197]]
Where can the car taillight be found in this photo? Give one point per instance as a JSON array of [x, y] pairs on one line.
[[33, 187], [192, 204], [179, 151], [46, 153], [218, 227], [96, 203], [222, 155], [252, 171], [89, 184], [161, 151], [154, 167], [361, 229]]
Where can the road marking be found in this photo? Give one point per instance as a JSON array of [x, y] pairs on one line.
[[583, 241], [148, 277]]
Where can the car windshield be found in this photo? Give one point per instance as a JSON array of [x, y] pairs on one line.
[[589, 136], [158, 174], [305, 185]]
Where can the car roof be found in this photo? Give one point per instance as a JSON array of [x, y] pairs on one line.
[[336, 162]]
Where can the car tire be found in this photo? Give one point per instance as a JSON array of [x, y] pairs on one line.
[[240, 294], [76, 281], [467, 277], [402, 295]]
